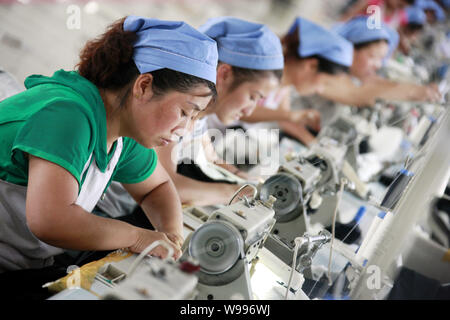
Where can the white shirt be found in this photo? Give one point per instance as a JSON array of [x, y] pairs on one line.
[[188, 146]]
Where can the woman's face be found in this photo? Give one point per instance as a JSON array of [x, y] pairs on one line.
[[159, 120], [302, 73], [431, 17], [368, 60], [234, 103]]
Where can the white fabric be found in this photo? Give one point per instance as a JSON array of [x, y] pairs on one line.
[[95, 182], [386, 142], [183, 149]]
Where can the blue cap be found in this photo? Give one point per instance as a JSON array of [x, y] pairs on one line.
[[173, 45], [357, 31], [316, 40], [415, 15], [245, 44], [431, 5]]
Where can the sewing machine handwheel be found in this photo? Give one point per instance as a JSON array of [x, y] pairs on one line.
[[288, 191], [216, 245]]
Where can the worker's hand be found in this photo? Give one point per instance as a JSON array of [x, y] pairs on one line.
[[146, 237], [245, 176], [234, 170], [175, 238], [307, 117], [431, 93]]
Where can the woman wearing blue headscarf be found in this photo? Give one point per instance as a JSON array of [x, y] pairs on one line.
[[316, 59], [66, 137], [410, 31], [250, 66], [433, 11], [324, 70], [372, 47]]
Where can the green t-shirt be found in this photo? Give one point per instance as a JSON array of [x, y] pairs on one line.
[[62, 119]]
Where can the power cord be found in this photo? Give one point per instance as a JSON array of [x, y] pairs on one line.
[[333, 228], [299, 241], [242, 188]]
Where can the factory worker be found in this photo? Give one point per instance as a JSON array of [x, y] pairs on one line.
[[433, 10], [250, 66], [392, 11], [383, 38], [411, 30], [432, 42], [68, 136], [372, 46], [314, 57]]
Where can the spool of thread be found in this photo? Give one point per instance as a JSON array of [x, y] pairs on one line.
[[377, 235], [397, 187], [418, 133], [368, 238], [427, 133]]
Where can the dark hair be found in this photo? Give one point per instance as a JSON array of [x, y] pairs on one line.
[[107, 62], [291, 42], [430, 11], [413, 27], [241, 75], [363, 45], [330, 67]]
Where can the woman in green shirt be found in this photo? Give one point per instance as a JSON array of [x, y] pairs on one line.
[[64, 139]]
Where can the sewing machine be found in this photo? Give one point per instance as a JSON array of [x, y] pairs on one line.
[[123, 275], [224, 246]]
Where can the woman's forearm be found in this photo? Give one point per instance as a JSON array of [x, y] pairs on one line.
[[229, 167], [192, 191], [398, 91], [298, 131], [263, 114], [163, 208], [342, 89], [201, 193], [53, 217], [78, 229]]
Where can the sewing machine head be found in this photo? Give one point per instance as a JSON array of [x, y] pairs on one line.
[[226, 243]]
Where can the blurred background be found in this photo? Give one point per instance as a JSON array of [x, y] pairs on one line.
[[41, 36]]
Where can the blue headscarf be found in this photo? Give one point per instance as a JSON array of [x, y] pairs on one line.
[[173, 45], [245, 44], [416, 15], [358, 30], [316, 40], [431, 5]]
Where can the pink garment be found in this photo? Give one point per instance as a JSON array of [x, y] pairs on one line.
[[274, 98], [394, 20]]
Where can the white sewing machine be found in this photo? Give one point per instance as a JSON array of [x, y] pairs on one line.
[[225, 245]]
